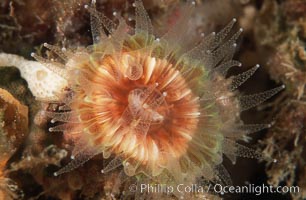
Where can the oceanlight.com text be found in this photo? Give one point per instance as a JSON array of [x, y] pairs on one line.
[[212, 188]]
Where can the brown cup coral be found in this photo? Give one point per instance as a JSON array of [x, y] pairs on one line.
[[157, 107]]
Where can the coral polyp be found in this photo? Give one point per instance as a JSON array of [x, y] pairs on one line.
[[146, 115], [150, 102]]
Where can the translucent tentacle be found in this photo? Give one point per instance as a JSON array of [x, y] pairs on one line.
[[58, 51], [249, 101], [222, 54], [223, 175], [116, 162], [245, 152], [107, 23], [237, 131], [232, 149], [98, 21], [208, 48], [95, 24], [77, 161], [241, 78], [143, 22], [252, 128], [213, 40]]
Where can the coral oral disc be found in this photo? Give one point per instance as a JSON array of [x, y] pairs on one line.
[[138, 119]]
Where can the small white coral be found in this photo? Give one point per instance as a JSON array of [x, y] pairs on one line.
[[42, 82]]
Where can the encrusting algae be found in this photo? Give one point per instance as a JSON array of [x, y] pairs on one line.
[[13, 130], [287, 64]]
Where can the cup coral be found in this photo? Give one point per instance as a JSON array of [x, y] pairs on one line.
[[158, 108]]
